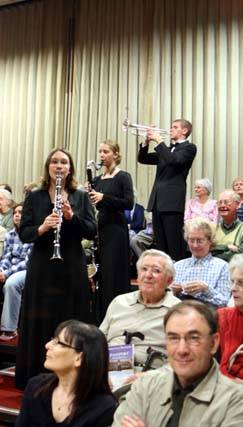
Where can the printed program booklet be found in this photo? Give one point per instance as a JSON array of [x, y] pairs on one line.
[[121, 363]]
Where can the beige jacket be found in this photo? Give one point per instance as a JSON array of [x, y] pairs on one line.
[[215, 402]]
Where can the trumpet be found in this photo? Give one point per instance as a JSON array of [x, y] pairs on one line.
[[142, 130]]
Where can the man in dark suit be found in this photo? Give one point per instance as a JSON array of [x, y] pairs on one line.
[[135, 219], [167, 199]]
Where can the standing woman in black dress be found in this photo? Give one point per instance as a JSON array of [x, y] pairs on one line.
[[112, 194], [55, 290]]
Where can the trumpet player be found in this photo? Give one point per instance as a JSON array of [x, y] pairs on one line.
[[55, 290], [167, 199]]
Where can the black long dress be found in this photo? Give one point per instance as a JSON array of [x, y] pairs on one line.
[[113, 236], [55, 290]]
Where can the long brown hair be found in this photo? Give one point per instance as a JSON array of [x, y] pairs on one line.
[[70, 183]]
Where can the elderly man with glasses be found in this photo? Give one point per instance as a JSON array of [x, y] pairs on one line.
[[229, 233], [192, 393], [203, 277], [139, 315]]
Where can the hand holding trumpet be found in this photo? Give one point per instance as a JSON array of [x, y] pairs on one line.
[[152, 135]]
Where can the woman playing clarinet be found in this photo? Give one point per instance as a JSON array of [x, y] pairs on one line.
[[112, 194], [56, 286]]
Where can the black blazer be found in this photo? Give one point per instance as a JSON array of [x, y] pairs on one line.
[[169, 189]]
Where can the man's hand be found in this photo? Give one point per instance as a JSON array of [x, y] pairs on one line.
[[132, 421], [233, 248], [133, 378], [154, 136], [195, 286], [176, 288]]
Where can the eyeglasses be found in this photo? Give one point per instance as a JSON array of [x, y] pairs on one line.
[[153, 270], [224, 202], [238, 284], [197, 241], [190, 339], [55, 341]]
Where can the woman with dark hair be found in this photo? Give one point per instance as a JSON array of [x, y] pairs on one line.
[[55, 289], [77, 394], [112, 194]]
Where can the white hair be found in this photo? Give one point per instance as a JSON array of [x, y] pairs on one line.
[[6, 193], [169, 266], [206, 183], [236, 262]]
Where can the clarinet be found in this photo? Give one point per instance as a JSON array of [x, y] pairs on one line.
[[57, 209], [92, 267], [89, 166]]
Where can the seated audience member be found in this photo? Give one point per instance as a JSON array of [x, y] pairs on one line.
[[194, 392], [77, 393], [29, 187], [144, 239], [6, 186], [135, 218], [229, 233], [143, 310], [238, 188], [202, 276], [3, 232], [202, 206], [12, 274], [6, 211], [231, 325]]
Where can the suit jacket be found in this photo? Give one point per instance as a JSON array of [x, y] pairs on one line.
[[137, 221], [169, 189]]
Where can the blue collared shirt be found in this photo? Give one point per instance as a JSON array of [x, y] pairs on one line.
[[214, 271], [15, 254]]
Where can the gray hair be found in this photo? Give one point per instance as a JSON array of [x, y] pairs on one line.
[[234, 196], [203, 224], [169, 266], [236, 262], [206, 183], [6, 193]]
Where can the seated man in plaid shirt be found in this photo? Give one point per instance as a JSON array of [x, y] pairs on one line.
[[12, 274], [202, 277]]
